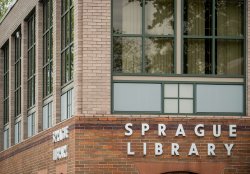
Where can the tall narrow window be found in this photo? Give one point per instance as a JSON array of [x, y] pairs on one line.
[[6, 84], [143, 36], [17, 73], [31, 61], [213, 37], [67, 36], [47, 48]]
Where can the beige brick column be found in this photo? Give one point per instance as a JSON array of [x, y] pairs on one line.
[[78, 57], [56, 62], [96, 64], [1, 98], [39, 67], [24, 55], [12, 90], [248, 60]]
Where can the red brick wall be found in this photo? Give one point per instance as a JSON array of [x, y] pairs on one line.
[[98, 145]]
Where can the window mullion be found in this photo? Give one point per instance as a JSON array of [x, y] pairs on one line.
[[213, 39]]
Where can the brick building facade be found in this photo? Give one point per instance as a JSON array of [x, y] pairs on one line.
[[81, 79]]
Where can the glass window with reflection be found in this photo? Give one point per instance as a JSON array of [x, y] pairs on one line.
[[213, 37], [47, 48], [67, 36], [143, 36]]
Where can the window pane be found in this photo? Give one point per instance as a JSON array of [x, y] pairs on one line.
[[159, 17], [45, 117], [137, 97], [171, 90], [197, 56], [171, 105], [159, 55], [230, 17], [127, 17], [219, 98], [198, 17], [64, 107], [186, 106], [127, 54], [30, 126], [186, 91], [230, 57]]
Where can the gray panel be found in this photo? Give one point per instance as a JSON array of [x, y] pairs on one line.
[[64, 107], [137, 97], [219, 98], [45, 117]]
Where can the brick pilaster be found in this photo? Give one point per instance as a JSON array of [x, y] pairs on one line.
[[96, 65], [78, 60], [24, 47], [39, 66], [56, 62], [12, 90]]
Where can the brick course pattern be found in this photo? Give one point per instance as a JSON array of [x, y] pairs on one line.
[[98, 145]]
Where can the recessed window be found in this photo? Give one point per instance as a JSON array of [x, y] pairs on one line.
[[31, 61], [47, 47], [143, 36], [67, 38]]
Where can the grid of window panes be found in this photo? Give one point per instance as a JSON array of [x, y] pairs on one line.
[[213, 37], [6, 83], [17, 73], [31, 125], [67, 37], [47, 47], [47, 116], [18, 132], [143, 36], [31, 61], [178, 98]]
